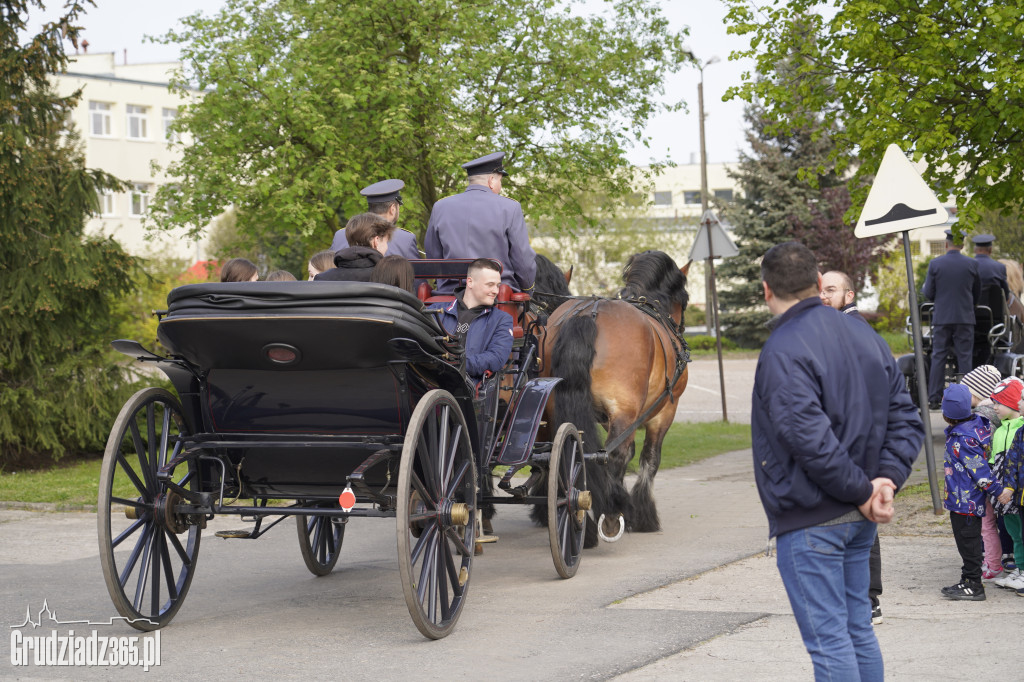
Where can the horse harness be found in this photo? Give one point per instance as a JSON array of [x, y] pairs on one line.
[[590, 305]]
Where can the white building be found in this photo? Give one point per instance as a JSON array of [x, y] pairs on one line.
[[123, 116], [676, 192]]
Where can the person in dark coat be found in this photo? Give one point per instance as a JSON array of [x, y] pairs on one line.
[[834, 435], [485, 331], [369, 235], [385, 199], [480, 223], [991, 271], [953, 284]]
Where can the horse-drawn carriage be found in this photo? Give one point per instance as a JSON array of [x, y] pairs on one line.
[[325, 402], [998, 339]]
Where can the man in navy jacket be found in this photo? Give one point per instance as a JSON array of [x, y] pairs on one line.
[[485, 331], [834, 436]]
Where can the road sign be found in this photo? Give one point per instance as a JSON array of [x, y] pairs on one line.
[[720, 242], [899, 199]]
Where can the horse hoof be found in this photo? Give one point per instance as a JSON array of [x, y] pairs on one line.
[[613, 538]]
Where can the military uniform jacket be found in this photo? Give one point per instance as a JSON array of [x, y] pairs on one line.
[[403, 243], [481, 224], [991, 272], [953, 285]]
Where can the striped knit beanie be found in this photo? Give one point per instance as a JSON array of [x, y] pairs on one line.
[[982, 381]]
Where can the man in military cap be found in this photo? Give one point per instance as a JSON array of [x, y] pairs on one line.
[[991, 271], [480, 223], [953, 284], [384, 198]]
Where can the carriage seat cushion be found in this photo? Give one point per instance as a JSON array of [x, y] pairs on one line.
[[332, 324]]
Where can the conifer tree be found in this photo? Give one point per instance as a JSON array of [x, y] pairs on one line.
[[59, 385]]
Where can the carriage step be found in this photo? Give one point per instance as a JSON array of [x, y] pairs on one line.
[[233, 534], [483, 539]]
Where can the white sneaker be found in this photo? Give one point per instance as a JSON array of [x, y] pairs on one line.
[[1014, 580]]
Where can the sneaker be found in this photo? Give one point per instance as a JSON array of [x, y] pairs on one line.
[[1008, 563], [1014, 580], [1020, 592], [965, 591], [989, 573], [876, 615]]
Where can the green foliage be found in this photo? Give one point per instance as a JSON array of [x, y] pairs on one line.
[[1008, 228], [690, 442], [59, 386], [704, 342], [305, 102], [944, 79], [899, 342]]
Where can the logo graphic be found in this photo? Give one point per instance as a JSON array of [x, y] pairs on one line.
[[69, 649]]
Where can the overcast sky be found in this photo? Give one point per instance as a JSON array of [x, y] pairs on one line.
[[120, 25]]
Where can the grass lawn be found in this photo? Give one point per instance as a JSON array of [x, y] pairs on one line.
[[76, 485]]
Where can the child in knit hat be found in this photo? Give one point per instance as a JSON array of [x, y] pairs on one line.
[[968, 482], [1007, 399], [982, 381]]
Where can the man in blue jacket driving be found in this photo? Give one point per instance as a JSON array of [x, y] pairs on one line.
[[834, 436], [485, 331]]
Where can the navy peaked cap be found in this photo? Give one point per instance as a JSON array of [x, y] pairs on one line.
[[486, 164], [383, 192], [983, 239]]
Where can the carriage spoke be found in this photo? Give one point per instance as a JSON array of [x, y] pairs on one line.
[[442, 584], [318, 536], [457, 480], [422, 542], [442, 449], [155, 562], [185, 559], [152, 455], [128, 503], [139, 523], [132, 476], [419, 487], [460, 544], [165, 428], [140, 453], [140, 586], [428, 463], [172, 589], [427, 549]]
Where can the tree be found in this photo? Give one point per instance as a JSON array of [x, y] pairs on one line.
[[943, 79], [779, 201], [306, 101], [59, 389], [1008, 228]]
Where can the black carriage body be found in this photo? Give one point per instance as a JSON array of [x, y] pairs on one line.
[[294, 384]]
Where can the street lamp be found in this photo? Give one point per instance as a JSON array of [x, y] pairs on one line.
[[704, 183]]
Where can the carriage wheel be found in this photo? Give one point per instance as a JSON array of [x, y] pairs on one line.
[[319, 542], [148, 553], [436, 507], [568, 500]]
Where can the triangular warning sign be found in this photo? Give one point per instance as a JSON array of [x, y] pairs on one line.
[[719, 243], [899, 199]]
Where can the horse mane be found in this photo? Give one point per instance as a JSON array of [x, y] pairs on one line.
[[550, 289], [654, 275]]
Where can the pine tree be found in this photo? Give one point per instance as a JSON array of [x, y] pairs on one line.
[[59, 384]]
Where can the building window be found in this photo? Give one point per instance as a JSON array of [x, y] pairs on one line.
[[691, 196], [723, 194], [168, 117], [99, 119], [140, 199], [915, 248], [937, 248], [106, 200], [663, 198], [137, 122]]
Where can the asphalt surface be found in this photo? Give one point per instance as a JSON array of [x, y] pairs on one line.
[[698, 600]]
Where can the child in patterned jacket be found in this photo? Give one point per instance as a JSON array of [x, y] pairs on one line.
[[968, 481]]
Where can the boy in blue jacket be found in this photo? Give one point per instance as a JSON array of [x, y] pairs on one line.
[[968, 480]]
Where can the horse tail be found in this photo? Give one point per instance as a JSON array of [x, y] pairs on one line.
[[571, 360]]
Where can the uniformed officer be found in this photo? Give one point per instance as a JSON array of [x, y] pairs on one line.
[[480, 223], [953, 284], [384, 198], [991, 271]]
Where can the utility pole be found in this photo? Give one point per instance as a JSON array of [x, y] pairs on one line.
[[708, 295]]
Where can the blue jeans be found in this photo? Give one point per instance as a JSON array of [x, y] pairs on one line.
[[825, 571]]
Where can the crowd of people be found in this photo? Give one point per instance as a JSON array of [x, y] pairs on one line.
[[478, 224]]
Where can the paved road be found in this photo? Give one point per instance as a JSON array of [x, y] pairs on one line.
[[702, 399]]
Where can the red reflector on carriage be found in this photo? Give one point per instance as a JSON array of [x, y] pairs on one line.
[[281, 353], [347, 499]]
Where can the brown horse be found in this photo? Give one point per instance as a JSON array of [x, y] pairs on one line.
[[622, 363]]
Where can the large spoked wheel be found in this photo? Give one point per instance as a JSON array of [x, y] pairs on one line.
[[148, 553], [319, 542], [568, 500], [436, 509]]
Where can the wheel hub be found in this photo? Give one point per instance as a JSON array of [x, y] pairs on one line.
[[165, 514]]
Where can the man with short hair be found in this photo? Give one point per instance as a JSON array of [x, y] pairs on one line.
[[838, 293], [953, 285], [991, 272], [369, 235], [384, 198], [480, 223], [484, 331], [834, 436]]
